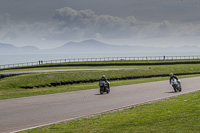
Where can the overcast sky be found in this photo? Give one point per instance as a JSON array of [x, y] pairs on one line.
[[52, 23]]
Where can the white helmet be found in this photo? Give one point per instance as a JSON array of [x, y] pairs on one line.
[[171, 74]]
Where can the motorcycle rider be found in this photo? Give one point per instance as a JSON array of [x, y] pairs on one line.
[[171, 75], [103, 78]]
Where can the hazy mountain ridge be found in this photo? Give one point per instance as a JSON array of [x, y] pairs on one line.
[[96, 46], [91, 46], [9, 48]]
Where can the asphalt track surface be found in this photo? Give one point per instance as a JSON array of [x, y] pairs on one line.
[[62, 70], [30, 112]]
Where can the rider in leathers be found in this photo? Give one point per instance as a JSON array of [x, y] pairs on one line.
[[103, 78], [171, 75]]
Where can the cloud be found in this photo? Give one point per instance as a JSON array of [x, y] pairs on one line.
[[75, 18], [4, 20], [86, 24], [90, 23], [156, 30], [70, 24]]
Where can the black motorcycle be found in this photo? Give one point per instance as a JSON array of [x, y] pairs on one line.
[[104, 87], [176, 85]]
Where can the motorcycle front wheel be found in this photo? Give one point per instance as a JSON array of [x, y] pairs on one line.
[[175, 88], [101, 90]]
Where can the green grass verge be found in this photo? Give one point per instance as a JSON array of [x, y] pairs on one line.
[[47, 78], [70, 67], [175, 115]]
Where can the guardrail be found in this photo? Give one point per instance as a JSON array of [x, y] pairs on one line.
[[40, 62]]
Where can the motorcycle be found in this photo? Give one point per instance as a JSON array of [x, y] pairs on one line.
[[176, 85], [104, 87]]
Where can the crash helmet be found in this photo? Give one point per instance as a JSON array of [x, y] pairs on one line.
[[103, 76], [171, 74]]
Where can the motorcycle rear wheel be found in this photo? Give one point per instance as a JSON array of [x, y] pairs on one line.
[[180, 88], [108, 91]]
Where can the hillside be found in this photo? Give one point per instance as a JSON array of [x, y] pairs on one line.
[[93, 46], [96, 46], [11, 49]]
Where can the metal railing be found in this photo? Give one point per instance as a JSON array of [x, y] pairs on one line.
[[99, 59]]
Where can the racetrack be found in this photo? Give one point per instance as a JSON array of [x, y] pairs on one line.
[[22, 113]]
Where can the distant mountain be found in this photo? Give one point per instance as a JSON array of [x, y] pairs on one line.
[[89, 43], [96, 46], [6, 46], [84, 46], [9, 49], [91, 46], [28, 48]]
